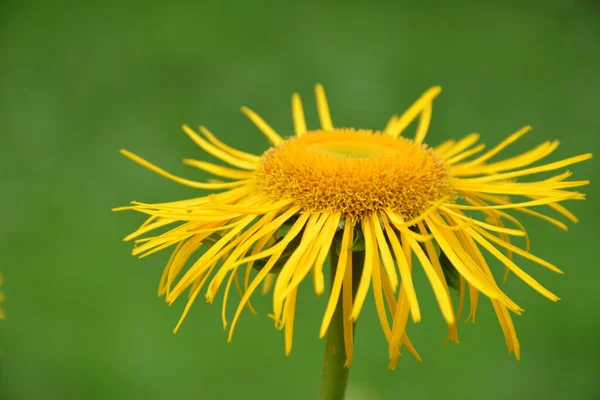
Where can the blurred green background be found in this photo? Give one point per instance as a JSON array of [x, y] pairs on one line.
[[78, 82]]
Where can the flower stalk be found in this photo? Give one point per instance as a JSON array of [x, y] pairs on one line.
[[334, 377]]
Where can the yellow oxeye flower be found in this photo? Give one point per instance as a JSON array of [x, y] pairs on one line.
[[392, 196]]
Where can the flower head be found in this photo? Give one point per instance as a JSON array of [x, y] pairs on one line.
[[390, 197]]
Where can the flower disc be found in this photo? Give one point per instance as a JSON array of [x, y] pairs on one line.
[[354, 172]]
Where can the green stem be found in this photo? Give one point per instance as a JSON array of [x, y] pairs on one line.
[[334, 377]]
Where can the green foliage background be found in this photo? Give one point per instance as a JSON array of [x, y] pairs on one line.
[[80, 81]]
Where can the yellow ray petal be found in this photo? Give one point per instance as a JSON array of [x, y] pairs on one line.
[[298, 115], [476, 201], [494, 228], [438, 285], [423, 124], [519, 251], [378, 296], [386, 256], [212, 254], [464, 264], [370, 254], [348, 298], [257, 280], [263, 126], [319, 246], [217, 152], [337, 280], [461, 145], [497, 149], [325, 242], [508, 329], [513, 267], [242, 155], [405, 272], [183, 181], [534, 170], [520, 205], [290, 308], [218, 170], [323, 108], [519, 161], [390, 124], [313, 227], [413, 111]]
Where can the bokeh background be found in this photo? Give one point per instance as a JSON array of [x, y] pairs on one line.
[[80, 81]]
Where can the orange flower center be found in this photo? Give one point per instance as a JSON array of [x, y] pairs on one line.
[[354, 172]]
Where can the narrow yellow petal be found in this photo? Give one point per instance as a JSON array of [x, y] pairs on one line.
[[441, 292], [313, 227], [390, 124], [522, 189], [217, 152], [325, 243], [399, 321], [290, 308], [534, 170], [476, 201], [494, 228], [347, 299], [497, 149], [246, 240], [323, 108], [162, 285], [263, 126], [513, 267], [465, 265], [405, 272], [444, 147], [508, 329], [218, 170], [149, 227], [292, 233], [267, 284], [378, 296], [537, 153], [315, 254], [365, 279], [338, 280], [563, 210], [214, 252], [520, 205], [234, 152], [465, 154], [181, 257], [423, 124], [226, 296], [201, 279], [183, 181], [413, 111], [518, 251], [386, 256], [298, 115], [399, 223], [461, 145], [257, 280], [473, 302]]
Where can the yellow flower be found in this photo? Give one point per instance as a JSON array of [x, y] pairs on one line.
[[353, 189]]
